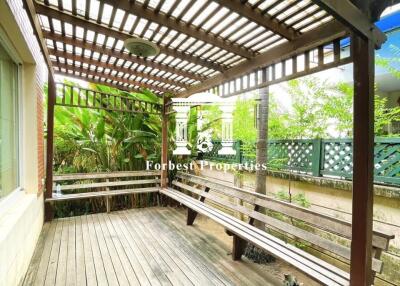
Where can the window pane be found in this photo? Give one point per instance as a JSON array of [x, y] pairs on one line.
[[8, 124]]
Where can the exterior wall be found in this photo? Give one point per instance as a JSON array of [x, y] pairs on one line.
[[40, 135], [21, 212]]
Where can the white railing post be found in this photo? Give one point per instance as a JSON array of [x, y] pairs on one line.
[[227, 129], [181, 132]]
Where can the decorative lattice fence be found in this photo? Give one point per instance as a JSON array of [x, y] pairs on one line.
[[318, 157]]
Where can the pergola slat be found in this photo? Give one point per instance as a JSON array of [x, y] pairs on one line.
[[263, 20], [106, 51], [322, 35], [108, 76], [99, 28], [177, 25], [92, 80], [97, 63]]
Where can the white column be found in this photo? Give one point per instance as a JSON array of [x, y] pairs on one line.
[[181, 135], [227, 130]]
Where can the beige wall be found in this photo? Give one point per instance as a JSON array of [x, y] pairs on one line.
[[21, 212]]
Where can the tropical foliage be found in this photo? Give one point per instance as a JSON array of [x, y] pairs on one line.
[[89, 140], [317, 109]]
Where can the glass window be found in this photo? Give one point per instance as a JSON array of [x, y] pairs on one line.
[[8, 124]]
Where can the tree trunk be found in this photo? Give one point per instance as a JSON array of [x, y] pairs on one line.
[[252, 252], [261, 150]]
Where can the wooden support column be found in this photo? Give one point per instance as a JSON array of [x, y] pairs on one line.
[[261, 149], [51, 93], [363, 161], [164, 144]]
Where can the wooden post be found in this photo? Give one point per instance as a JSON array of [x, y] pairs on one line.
[[51, 94], [238, 182], [363, 161], [164, 144], [108, 206]]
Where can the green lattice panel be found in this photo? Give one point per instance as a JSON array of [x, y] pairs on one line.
[[337, 158], [387, 160]]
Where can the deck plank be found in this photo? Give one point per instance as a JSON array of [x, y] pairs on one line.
[[185, 263], [175, 241], [101, 276], [90, 268], [80, 253], [159, 267], [71, 254], [50, 279], [126, 276], [139, 262], [173, 259], [104, 253], [214, 251], [149, 246]]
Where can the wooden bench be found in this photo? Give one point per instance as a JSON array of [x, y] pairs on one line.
[[104, 184], [310, 227]]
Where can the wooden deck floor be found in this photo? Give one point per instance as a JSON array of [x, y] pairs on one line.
[[150, 246]]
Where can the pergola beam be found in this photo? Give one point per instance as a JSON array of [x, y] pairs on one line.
[[108, 76], [307, 41], [119, 55], [119, 69], [256, 16], [118, 35], [351, 16], [29, 6], [179, 26]]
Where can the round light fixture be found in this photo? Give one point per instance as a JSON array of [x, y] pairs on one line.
[[141, 48]]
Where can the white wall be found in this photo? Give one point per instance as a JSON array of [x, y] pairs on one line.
[[21, 212]]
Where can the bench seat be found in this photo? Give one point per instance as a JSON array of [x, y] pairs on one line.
[[315, 267]]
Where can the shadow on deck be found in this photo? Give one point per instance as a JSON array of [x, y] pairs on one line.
[[150, 246]]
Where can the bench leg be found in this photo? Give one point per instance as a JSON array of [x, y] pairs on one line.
[[158, 199], [191, 213], [108, 204], [376, 253], [238, 247], [191, 216]]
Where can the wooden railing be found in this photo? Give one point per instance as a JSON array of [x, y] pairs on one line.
[[75, 96]]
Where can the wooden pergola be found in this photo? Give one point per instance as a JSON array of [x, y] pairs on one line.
[[223, 46]]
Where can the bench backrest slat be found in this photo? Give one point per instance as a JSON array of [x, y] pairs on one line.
[[280, 225], [90, 176], [321, 221], [108, 184]]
